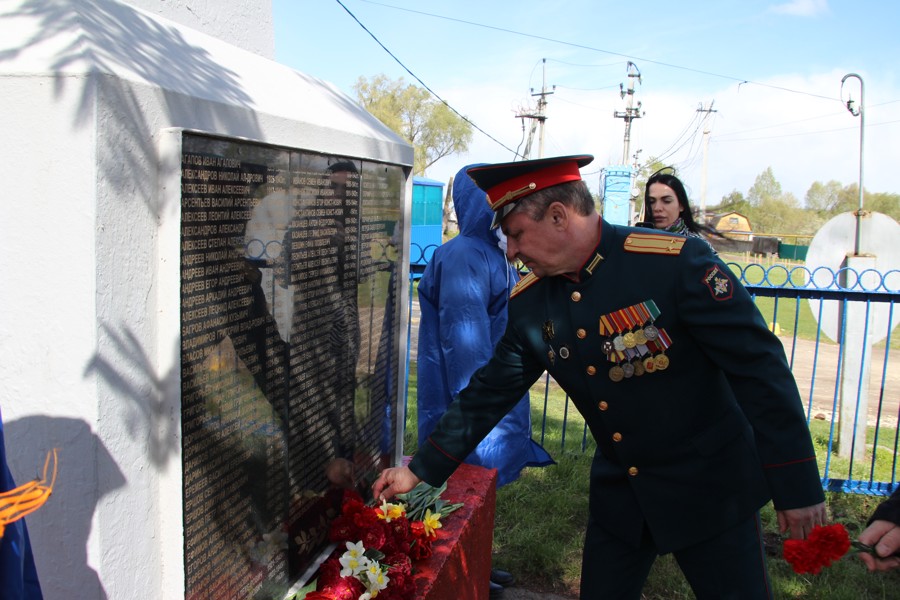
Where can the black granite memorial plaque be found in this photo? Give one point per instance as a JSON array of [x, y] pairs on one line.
[[290, 359]]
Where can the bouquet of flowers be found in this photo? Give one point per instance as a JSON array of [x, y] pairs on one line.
[[824, 545], [378, 545]]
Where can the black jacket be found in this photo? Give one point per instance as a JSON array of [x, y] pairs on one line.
[[690, 449]]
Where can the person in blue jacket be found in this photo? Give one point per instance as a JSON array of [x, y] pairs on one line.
[[18, 575], [688, 395], [463, 296]]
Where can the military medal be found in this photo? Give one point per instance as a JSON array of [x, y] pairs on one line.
[[626, 337], [649, 364], [634, 361], [650, 312], [662, 342], [606, 330], [635, 321], [629, 324], [628, 369], [564, 352], [639, 338], [616, 373]]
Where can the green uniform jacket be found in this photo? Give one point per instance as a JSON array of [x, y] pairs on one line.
[[687, 450]]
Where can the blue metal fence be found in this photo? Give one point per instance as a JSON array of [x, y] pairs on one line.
[[852, 372]]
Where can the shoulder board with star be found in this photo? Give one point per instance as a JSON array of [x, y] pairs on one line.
[[654, 243], [524, 284]]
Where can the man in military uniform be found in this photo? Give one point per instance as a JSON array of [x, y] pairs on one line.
[[696, 415]]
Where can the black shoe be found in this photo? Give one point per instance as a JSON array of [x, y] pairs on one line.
[[502, 577], [496, 590]]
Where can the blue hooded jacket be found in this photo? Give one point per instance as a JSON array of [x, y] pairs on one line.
[[463, 296], [18, 576]]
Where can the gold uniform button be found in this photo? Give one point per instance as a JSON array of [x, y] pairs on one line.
[[591, 370], [581, 333], [576, 296], [633, 471], [603, 405], [617, 437]]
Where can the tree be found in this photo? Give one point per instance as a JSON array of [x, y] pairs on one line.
[[765, 188], [830, 199], [883, 202], [784, 216], [429, 125], [823, 197], [733, 202]]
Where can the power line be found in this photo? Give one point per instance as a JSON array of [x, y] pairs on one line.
[[741, 80], [672, 149], [773, 137], [720, 135], [830, 115], [416, 77]]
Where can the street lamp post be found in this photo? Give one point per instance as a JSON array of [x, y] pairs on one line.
[[854, 385], [860, 112]]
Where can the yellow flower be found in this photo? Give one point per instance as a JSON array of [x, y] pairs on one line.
[[432, 521], [376, 580], [388, 511]]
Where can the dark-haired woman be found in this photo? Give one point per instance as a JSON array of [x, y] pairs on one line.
[[668, 208]]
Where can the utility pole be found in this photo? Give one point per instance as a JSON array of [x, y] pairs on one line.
[[537, 117], [631, 112], [633, 192], [706, 131]]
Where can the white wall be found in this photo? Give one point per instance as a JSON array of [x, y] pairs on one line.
[[245, 23], [89, 330]]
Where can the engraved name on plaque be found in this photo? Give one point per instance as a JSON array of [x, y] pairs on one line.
[[289, 354]]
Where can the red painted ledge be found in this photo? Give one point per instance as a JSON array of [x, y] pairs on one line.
[[460, 567]]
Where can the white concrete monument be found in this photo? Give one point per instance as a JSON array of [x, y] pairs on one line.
[[139, 324]]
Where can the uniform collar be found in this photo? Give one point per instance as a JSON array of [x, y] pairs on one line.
[[593, 261]]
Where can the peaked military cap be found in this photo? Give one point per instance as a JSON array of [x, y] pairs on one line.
[[507, 183]]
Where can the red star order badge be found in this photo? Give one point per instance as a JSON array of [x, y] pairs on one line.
[[719, 283]]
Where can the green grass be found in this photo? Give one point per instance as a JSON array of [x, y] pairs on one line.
[[540, 520]]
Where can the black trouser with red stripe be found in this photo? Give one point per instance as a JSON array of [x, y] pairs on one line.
[[729, 566]]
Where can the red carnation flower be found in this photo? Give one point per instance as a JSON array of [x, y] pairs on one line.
[[365, 519], [319, 595], [329, 572], [341, 530], [831, 541], [374, 538], [347, 588], [420, 550], [417, 529], [824, 545], [399, 563]]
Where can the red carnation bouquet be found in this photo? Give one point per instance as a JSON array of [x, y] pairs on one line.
[[377, 546], [824, 545]]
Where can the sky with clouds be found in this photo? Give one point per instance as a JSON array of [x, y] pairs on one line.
[[771, 71]]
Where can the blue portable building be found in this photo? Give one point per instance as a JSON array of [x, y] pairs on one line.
[[426, 224]]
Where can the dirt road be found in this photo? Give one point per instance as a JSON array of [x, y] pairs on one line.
[[806, 361]]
